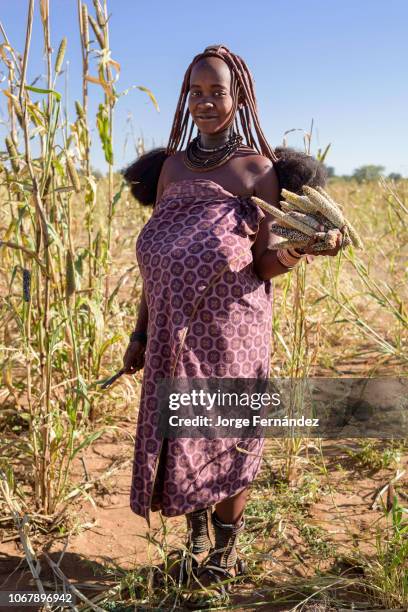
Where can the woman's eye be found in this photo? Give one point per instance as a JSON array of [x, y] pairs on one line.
[[194, 94]]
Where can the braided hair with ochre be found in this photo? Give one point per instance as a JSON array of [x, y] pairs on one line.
[[244, 110]]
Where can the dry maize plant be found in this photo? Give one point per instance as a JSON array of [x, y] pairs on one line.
[[55, 289], [301, 216]]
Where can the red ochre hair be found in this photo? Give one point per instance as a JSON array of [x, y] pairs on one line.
[[245, 105]]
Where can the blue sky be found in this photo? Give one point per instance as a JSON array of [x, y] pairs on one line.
[[342, 63]]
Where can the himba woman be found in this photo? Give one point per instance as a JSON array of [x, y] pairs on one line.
[[206, 263]]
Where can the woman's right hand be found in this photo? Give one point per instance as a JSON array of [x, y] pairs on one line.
[[133, 359]]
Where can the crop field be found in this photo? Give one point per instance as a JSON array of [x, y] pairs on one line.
[[327, 520]]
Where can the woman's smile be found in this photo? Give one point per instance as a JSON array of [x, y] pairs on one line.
[[206, 117]]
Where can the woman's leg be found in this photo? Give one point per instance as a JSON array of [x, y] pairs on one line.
[[231, 509], [223, 563], [228, 522], [198, 527], [180, 563]]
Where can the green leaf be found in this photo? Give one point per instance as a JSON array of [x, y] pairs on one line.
[[81, 390], [79, 261], [103, 125], [322, 156], [54, 341], [319, 299], [55, 236], [14, 273], [116, 197], [105, 345], [58, 166], [44, 91], [9, 304], [88, 440], [90, 192], [97, 312]]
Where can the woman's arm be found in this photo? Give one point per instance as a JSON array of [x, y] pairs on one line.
[[266, 263], [143, 315]]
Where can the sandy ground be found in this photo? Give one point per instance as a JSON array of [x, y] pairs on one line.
[[106, 534]]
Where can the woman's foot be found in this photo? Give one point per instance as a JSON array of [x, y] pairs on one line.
[[212, 584], [180, 563], [214, 577]]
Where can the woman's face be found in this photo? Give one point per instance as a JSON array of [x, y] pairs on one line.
[[210, 102]]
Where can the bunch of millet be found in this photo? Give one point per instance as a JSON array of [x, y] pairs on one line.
[[300, 216]]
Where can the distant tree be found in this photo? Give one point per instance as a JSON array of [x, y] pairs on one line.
[[368, 173], [330, 171], [395, 176]]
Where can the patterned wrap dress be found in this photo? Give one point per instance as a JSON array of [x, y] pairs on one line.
[[210, 316]]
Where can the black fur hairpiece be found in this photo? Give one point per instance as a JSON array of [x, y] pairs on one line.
[[295, 169], [143, 175]]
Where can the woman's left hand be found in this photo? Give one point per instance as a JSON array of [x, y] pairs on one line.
[[331, 252]]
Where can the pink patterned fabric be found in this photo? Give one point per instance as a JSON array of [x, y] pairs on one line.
[[204, 298]]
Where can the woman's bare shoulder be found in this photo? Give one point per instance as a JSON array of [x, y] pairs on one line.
[[170, 171], [256, 161], [263, 175], [172, 163], [258, 166]]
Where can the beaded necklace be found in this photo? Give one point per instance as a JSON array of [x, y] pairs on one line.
[[200, 159]]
